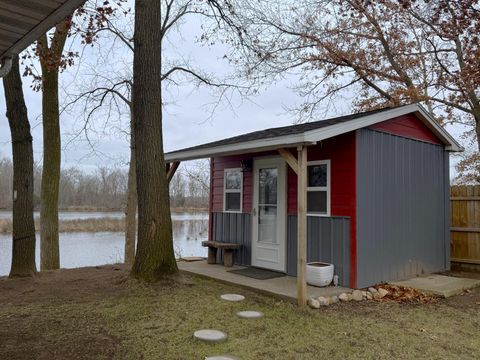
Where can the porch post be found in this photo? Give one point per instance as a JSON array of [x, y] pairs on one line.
[[171, 169], [302, 226]]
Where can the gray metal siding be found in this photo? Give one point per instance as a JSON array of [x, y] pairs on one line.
[[446, 219], [234, 228], [401, 207], [328, 240]]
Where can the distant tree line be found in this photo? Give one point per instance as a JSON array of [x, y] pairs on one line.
[[106, 187]]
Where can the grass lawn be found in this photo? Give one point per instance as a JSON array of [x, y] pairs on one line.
[[99, 313]]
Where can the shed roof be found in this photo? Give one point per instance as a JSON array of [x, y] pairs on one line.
[[23, 21], [308, 133]]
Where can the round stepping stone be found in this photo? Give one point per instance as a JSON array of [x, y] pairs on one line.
[[232, 297], [210, 335], [250, 314], [222, 357]]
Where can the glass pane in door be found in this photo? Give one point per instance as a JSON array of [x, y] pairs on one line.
[[267, 186], [267, 224], [267, 205]]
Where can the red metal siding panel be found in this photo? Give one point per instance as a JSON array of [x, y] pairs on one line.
[[219, 165], [408, 126], [340, 151]]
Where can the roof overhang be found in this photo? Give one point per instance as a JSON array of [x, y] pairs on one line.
[[23, 21], [313, 136]]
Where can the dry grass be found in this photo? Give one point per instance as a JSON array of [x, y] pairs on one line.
[[98, 313], [92, 225], [78, 225]]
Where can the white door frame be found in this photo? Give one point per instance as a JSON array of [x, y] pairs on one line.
[[269, 255]]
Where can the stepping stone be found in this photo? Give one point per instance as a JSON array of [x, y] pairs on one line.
[[222, 357], [210, 335], [250, 314], [232, 297]]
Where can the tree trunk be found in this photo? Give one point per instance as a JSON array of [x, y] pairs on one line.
[[49, 247], [155, 257], [50, 62], [131, 211], [23, 235]]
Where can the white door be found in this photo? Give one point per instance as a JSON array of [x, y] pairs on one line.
[[269, 214]]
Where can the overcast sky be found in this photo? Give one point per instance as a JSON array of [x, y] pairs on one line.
[[188, 118]]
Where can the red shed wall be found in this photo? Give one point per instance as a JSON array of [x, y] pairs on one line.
[[219, 164], [408, 126], [341, 151]]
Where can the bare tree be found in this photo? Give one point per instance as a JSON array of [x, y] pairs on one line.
[[115, 91], [49, 50], [23, 234], [155, 256], [378, 53]]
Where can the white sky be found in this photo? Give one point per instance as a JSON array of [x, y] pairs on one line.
[[187, 117]]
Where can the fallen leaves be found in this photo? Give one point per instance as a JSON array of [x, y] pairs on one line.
[[406, 295]]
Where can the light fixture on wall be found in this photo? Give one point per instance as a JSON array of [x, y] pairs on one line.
[[246, 165]]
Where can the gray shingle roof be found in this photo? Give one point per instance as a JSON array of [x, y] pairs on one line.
[[281, 131]]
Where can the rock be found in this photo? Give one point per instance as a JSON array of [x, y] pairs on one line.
[[369, 296], [382, 293], [323, 301], [314, 303], [357, 295], [364, 294], [372, 291], [349, 297], [343, 297], [334, 299]]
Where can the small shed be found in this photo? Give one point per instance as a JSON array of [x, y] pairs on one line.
[[368, 192]]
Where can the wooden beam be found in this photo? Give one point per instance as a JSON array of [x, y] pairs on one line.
[[290, 159], [465, 229], [171, 169], [302, 227], [466, 261]]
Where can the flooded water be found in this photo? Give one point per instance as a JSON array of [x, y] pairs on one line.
[[99, 248]]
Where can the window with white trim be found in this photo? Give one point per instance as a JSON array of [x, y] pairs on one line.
[[318, 188], [232, 190]]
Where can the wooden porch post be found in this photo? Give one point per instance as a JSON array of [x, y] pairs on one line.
[[171, 169], [302, 226]]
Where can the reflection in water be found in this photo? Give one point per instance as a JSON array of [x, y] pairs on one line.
[[90, 249]]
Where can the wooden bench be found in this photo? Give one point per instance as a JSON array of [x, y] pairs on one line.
[[228, 249]]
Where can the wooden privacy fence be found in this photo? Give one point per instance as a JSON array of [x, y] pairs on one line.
[[465, 224]]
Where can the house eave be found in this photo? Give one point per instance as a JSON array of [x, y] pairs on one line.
[[240, 148], [53, 18], [314, 136]]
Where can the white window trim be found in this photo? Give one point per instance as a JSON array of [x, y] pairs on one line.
[[225, 190], [321, 188]]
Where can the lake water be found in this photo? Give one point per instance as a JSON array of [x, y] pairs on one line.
[[74, 215], [99, 248]]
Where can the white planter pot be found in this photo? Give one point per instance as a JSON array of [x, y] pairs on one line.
[[319, 273]]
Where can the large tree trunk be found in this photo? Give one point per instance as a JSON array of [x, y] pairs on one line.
[[49, 247], [155, 257], [131, 211], [50, 60], [23, 235]]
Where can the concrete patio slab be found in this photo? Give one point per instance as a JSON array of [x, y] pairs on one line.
[[283, 287], [440, 285]]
